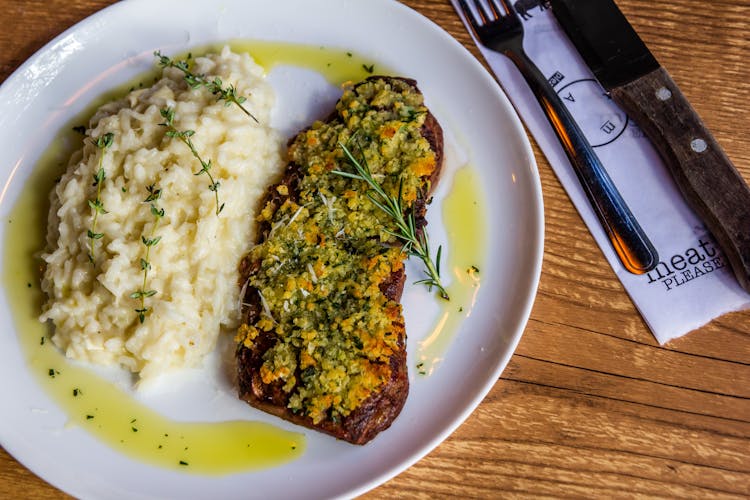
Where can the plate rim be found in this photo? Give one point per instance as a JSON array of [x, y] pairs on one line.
[[538, 236]]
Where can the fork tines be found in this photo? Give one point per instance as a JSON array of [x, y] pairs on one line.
[[485, 11]]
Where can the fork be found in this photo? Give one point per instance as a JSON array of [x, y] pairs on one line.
[[497, 26]]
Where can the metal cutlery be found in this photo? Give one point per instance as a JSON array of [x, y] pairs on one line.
[[634, 79], [497, 26]]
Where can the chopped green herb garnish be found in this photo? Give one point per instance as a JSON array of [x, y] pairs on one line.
[[102, 143], [154, 194], [369, 68], [184, 136], [415, 241], [228, 94]]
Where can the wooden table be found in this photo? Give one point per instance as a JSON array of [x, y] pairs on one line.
[[590, 404]]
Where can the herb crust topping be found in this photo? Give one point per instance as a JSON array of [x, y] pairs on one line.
[[327, 253]]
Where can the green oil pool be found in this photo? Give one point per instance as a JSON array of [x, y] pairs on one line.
[[464, 220]]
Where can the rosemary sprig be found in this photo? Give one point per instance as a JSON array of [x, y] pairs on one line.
[[102, 143], [149, 242], [415, 242], [215, 86], [184, 136]]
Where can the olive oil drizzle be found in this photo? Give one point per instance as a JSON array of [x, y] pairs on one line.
[[464, 220]]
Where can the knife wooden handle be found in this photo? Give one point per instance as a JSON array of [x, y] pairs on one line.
[[707, 178]]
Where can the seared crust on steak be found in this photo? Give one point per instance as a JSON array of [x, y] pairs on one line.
[[267, 379]]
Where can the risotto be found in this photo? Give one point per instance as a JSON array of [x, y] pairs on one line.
[[152, 216]]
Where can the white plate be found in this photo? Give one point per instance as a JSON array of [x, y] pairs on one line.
[[111, 47]]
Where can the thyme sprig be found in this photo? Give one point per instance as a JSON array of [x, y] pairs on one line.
[[415, 242], [215, 86], [102, 143], [185, 137], [149, 242]]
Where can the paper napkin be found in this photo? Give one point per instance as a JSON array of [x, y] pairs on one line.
[[693, 282]]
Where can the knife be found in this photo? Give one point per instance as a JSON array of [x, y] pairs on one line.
[[636, 81]]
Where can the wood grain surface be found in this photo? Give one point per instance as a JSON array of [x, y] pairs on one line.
[[590, 405]]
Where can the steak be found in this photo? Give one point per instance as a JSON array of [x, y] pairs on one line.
[[322, 341]]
